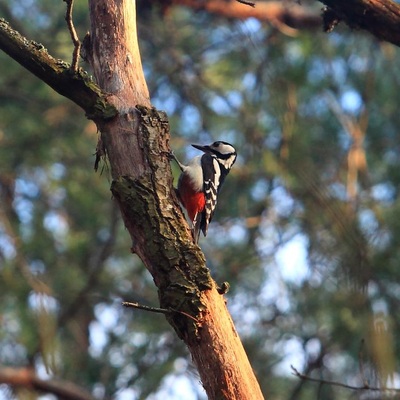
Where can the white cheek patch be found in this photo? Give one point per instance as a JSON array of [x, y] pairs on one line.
[[229, 162], [225, 148]]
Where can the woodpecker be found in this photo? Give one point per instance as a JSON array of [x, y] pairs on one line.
[[201, 181]]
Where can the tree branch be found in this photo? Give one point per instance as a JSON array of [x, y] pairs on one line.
[[379, 17], [26, 378], [340, 384], [74, 36], [247, 3], [137, 147], [294, 16], [156, 309], [77, 87]]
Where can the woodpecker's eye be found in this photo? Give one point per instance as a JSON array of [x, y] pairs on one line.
[[216, 144]]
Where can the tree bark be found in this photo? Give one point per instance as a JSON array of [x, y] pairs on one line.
[[135, 139], [379, 17], [137, 145]]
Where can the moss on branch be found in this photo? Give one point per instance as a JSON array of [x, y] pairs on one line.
[[159, 233], [178, 266]]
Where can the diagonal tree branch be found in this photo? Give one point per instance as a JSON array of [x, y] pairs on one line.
[[137, 147], [364, 387], [137, 144], [77, 87], [379, 17], [275, 12], [26, 378]]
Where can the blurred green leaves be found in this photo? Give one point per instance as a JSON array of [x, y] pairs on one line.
[[65, 263]]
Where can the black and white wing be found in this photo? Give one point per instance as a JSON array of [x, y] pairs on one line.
[[211, 177]]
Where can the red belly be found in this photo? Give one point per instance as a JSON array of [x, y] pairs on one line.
[[194, 202]]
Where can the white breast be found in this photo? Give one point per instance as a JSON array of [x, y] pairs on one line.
[[195, 173]]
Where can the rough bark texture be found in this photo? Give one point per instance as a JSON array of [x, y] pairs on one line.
[[136, 144], [379, 17], [135, 138], [159, 235], [222, 363]]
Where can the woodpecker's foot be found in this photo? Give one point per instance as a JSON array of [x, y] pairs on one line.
[[172, 156], [223, 288]]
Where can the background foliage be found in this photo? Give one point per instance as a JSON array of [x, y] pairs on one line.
[[306, 230]]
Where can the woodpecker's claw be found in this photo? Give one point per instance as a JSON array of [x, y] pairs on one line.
[[172, 156]]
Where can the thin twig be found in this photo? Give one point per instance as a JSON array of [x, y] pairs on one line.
[[247, 3], [157, 309], [343, 385], [361, 363], [146, 308], [74, 36]]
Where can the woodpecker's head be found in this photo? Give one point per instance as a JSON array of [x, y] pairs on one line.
[[224, 152]]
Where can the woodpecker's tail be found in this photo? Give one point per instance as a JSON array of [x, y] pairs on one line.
[[196, 228]]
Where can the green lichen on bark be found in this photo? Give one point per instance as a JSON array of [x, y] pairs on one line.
[[177, 265], [148, 202]]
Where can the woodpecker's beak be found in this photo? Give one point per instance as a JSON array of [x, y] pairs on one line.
[[202, 148]]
